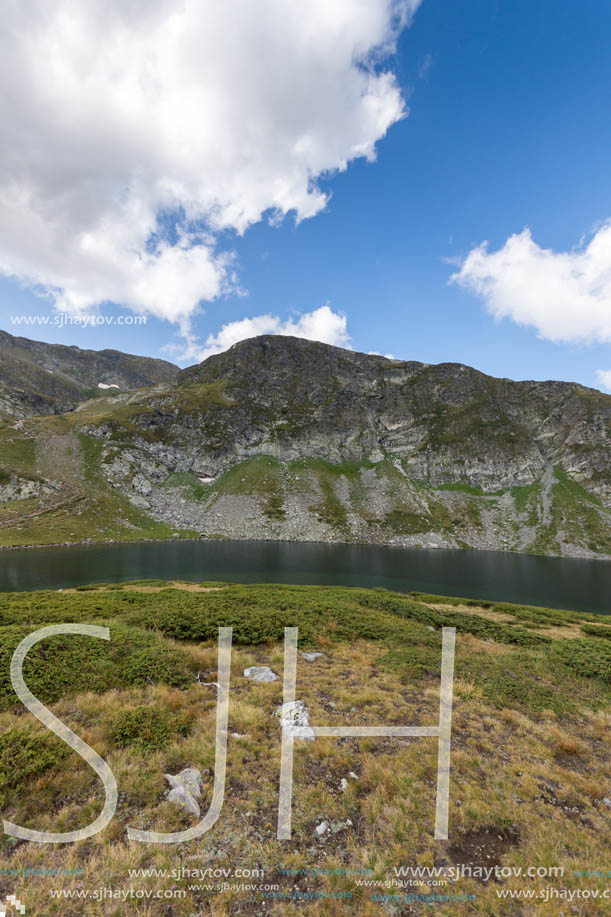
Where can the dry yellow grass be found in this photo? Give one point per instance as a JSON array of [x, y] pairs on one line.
[[527, 786], [473, 610], [141, 587], [531, 783]]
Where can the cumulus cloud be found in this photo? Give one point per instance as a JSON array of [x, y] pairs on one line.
[[135, 131], [566, 296], [320, 325], [604, 378]]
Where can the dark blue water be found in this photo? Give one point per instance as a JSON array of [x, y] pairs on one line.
[[556, 582]]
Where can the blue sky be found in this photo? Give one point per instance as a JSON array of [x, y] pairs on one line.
[[508, 128]]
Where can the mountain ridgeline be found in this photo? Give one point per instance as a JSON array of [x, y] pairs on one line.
[[284, 438], [39, 378]]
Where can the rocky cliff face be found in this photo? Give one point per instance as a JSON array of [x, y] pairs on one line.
[[290, 399], [38, 378], [286, 438]]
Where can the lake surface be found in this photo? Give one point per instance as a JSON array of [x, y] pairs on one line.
[[552, 581]]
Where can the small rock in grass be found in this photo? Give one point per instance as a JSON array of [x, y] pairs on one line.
[[322, 828], [343, 784], [312, 657], [189, 778], [607, 801], [295, 719], [185, 787], [337, 826], [139, 502], [260, 673], [181, 798]]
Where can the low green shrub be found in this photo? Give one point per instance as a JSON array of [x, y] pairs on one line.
[[588, 658], [413, 662], [464, 623], [520, 681], [65, 664], [156, 663], [593, 630], [146, 728], [24, 756]]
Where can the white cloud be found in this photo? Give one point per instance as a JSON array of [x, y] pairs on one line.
[[424, 66], [566, 296], [120, 114], [604, 378], [320, 325]]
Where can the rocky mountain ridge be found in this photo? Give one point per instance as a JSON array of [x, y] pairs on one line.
[[40, 378], [445, 423], [285, 438]]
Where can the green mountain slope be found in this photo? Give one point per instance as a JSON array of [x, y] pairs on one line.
[[39, 378], [290, 439]]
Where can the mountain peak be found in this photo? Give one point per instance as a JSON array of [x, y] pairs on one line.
[[41, 378]]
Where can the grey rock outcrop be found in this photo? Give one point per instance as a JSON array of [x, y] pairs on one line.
[[295, 720], [261, 673], [281, 438], [185, 790], [414, 454]]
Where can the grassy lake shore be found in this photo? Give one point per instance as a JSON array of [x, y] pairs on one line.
[[529, 758]]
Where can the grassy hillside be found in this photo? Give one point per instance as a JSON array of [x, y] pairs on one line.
[[286, 439], [41, 378], [59, 483], [529, 760], [56, 492]]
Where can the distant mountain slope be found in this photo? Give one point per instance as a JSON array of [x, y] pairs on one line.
[[445, 423], [39, 378], [284, 438]]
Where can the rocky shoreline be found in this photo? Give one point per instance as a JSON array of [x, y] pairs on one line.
[[394, 543]]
